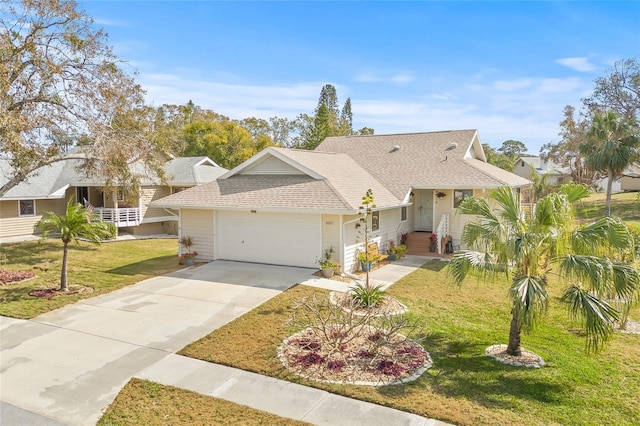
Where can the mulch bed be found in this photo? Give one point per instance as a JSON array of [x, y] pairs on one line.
[[48, 293], [8, 277]]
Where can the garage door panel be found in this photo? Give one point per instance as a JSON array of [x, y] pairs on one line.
[[282, 239]]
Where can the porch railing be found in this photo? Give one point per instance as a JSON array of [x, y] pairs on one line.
[[442, 230], [120, 217]]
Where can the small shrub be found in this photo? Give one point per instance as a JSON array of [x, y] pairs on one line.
[[390, 368], [367, 296], [336, 365], [309, 359]]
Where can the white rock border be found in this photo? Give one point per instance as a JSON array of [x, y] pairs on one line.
[[498, 352]]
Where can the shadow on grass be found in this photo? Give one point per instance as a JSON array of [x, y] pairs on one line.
[[462, 370], [146, 267]]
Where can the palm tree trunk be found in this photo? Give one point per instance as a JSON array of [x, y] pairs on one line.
[[63, 273], [607, 209], [514, 334]]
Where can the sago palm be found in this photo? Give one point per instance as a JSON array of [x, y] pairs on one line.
[[592, 261], [77, 222]]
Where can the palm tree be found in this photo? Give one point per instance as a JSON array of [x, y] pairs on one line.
[[612, 145], [589, 260], [76, 223]]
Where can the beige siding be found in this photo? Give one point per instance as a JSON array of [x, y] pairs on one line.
[[272, 166], [154, 214], [199, 225], [627, 183], [331, 235], [11, 225]]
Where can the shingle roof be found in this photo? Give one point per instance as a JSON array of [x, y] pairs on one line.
[[338, 184], [437, 160], [545, 167], [51, 181]]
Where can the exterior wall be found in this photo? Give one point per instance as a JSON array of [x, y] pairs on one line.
[[390, 228], [11, 225], [627, 183], [331, 235], [522, 169], [199, 224], [154, 214]]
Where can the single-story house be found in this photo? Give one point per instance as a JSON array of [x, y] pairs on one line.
[[630, 180], [49, 188], [285, 206], [556, 173]]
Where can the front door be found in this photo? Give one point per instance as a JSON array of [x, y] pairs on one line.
[[425, 211]]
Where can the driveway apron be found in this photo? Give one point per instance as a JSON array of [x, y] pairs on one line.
[[69, 364]]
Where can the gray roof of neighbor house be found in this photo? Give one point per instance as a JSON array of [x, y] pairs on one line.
[[52, 181], [435, 160], [318, 181], [544, 167]]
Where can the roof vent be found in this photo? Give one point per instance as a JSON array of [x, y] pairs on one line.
[[395, 148], [453, 145]]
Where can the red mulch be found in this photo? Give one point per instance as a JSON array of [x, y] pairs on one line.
[[48, 293], [7, 277]]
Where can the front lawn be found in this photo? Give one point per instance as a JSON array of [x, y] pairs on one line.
[[102, 268], [147, 403], [464, 386]]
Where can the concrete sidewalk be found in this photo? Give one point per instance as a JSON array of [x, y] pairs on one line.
[[275, 396]]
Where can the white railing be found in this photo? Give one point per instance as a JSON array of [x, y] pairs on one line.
[[120, 217], [442, 230]]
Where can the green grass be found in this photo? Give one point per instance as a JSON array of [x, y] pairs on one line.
[[147, 403], [464, 386], [104, 268], [625, 205]]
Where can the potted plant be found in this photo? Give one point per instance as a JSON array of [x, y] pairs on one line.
[[396, 251], [403, 238], [327, 264], [433, 239], [188, 258], [367, 260]]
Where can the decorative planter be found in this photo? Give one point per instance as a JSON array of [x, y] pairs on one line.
[[432, 248], [366, 267], [328, 272], [392, 256], [190, 261]]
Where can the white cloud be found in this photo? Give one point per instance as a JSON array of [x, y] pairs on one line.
[[581, 63], [400, 78]]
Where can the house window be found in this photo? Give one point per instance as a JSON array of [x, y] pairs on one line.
[[403, 213], [375, 221], [459, 195], [27, 208]]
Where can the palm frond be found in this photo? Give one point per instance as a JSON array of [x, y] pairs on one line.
[[530, 297], [596, 315], [509, 204], [607, 232], [593, 271], [574, 191], [465, 262]]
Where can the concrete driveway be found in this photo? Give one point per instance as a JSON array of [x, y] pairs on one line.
[[69, 364]]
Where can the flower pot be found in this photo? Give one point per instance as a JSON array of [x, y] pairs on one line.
[[432, 249], [366, 267], [190, 261], [328, 272], [392, 256]]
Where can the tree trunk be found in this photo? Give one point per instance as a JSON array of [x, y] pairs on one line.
[[607, 209], [63, 273], [514, 334]]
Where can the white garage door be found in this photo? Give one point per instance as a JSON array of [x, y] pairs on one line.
[[279, 239]]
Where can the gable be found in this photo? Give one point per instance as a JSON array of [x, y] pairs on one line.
[[271, 165]]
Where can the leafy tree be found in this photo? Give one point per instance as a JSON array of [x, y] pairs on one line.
[[60, 83], [498, 159], [618, 91], [513, 149], [612, 145], [224, 141], [76, 223], [587, 259], [566, 153], [365, 131]]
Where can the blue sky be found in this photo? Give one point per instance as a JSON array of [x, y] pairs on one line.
[[504, 68]]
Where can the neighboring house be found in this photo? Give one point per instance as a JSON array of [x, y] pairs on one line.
[[556, 174], [630, 180], [50, 187], [285, 206]]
